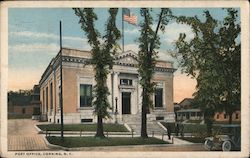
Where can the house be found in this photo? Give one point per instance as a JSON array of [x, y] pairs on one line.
[[188, 111], [123, 83], [24, 103]]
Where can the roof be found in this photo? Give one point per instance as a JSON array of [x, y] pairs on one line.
[[127, 58], [189, 110], [186, 101]]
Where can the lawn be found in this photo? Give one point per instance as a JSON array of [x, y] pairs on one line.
[[194, 121], [72, 142], [83, 127], [191, 128]]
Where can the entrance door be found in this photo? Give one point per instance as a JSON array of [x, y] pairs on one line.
[[126, 103]]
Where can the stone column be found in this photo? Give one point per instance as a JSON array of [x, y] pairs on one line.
[[109, 88], [139, 96], [116, 92]]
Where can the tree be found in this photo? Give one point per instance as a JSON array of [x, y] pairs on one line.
[[212, 57], [102, 58], [149, 42]]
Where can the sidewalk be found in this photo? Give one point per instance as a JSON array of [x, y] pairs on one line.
[[22, 135]]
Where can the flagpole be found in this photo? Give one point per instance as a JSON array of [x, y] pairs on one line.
[[122, 30]]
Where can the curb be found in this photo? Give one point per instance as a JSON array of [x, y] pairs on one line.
[[96, 148], [53, 146], [38, 129]]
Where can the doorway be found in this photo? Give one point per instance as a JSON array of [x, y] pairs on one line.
[[126, 103]]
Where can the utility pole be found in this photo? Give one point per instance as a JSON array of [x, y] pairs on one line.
[[122, 30], [61, 83]]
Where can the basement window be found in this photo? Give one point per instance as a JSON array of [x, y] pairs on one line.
[[159, 118], [86, 120]]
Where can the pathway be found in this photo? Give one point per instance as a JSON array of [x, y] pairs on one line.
[[22, 135]]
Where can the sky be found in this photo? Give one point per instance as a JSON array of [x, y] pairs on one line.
[[34, 41]]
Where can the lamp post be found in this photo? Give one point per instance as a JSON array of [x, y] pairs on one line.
[[116, 111]]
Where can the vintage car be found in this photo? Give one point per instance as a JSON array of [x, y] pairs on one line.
[[227, 138]]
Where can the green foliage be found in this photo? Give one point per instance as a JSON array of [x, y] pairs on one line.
[[22, 97], [102, 56], [149, 42], [212, 57], [83, 127]]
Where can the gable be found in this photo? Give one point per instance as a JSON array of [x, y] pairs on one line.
[[128, 57]]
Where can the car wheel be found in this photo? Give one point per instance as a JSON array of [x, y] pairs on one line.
[[208, 144], [226, 146]]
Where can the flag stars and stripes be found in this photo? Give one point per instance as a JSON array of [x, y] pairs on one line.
[[129, 17]]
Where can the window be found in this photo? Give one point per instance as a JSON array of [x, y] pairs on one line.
[[23, 110], [43, 101], [192, 114], [85, 95], [127, 82], [158, 97], [225, 116], [159, 118], [236, 116], [217, 116], [36, 111], [51, 95], [199, 114], [86, 120], [46, 93]]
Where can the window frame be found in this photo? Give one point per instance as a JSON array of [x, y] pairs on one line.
[[128, 83], [86, 97], [156, 98]]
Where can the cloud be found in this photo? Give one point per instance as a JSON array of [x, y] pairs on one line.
[[34, 34], [41, 46], [34, 47], [165, 56], [173, 30], [133, 47], [39, 35], [132, 32]]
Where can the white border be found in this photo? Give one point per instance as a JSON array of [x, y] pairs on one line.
[[244, 5]]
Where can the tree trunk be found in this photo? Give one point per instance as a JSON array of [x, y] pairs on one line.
[[144, 117], [99, 131]]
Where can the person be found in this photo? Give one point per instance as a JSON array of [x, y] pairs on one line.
[[181, 130], [169, 131], [177, 129]]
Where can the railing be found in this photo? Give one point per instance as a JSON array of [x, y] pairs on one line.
[[81, 133]]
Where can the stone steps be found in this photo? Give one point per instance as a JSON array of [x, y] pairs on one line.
[[134, 122]]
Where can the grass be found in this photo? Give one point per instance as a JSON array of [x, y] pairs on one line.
[[190, 128], [72, 142], [83, 127], [194, 121], [226, 122], [193, 139]]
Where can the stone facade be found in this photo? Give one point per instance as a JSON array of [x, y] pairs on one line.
[[123, 83]]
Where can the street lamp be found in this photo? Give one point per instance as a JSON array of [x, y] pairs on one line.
[[116, 111]]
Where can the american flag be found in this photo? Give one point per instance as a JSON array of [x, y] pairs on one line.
[[130, 18]]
